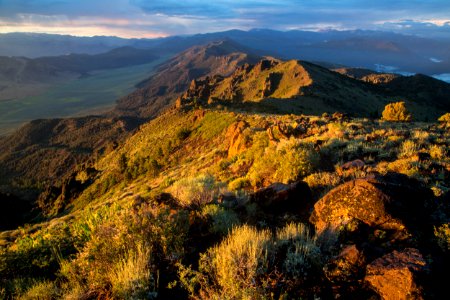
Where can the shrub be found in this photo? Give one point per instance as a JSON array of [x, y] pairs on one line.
[[130, 277], [183, 134], [302, 251], [239, 184], [196, 191], [254, 264], [445, 118], [442, 233], [286, 162], [396, 112], [322, 182], [408, 148], [238, 263], [45, 290], [222, 219], [437, 152], [118, 260]]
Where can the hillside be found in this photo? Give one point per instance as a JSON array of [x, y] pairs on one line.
[[194, 197], [47, 151], [302, 87], [228, 176], [21, 77], [174, 76]]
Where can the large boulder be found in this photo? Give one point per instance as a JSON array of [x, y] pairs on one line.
[[394, 276], [393, 203], [277, 198]]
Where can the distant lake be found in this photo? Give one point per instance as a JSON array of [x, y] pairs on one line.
[[444, 77]]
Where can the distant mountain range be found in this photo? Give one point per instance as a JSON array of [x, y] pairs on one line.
[[375, 50]]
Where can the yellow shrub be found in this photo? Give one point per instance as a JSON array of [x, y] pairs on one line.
[[130, 277], [286, 162], [198, 191], [237, 262], [396, 112], [445, 118]]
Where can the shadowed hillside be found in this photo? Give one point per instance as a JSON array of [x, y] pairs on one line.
[[174, 76]]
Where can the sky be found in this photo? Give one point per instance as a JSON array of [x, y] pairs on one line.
[[158, 18]]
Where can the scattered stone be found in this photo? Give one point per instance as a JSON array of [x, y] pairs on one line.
[[393, 276]]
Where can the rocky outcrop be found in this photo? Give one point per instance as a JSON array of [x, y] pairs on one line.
[[394, 276], [393, 203], [54, 199], [236, 139], [294, 198]]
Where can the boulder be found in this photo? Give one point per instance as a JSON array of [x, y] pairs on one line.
[[347, 266], [356, 164], [393, 202], [394, 276], [279, 197]]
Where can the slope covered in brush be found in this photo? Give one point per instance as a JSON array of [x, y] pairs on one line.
[[301, 87], [218, 185]]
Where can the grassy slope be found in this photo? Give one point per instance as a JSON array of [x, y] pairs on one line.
[[82, 96]]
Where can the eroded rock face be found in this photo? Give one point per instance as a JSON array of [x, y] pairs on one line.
[[393, 276], [279, 197], [392, 202], [237, 140]]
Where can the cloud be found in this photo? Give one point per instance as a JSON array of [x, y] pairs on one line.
[[169, 17]]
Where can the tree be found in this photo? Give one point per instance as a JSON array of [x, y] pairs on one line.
[[396, 112]]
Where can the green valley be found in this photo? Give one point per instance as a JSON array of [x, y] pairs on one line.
[[91, 94]]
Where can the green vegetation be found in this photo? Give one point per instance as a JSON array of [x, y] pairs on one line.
[[87, 95], [171, 212]]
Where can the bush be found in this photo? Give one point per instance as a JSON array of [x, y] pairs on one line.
[[238, 263], [442, 234], [183, 134], [396, 112], [239, 184], [408, 149], [196, 191], [222, 219], [254, 264], [45, 290], [302, 251], [445, 118], [287, 162], [130, 277]]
